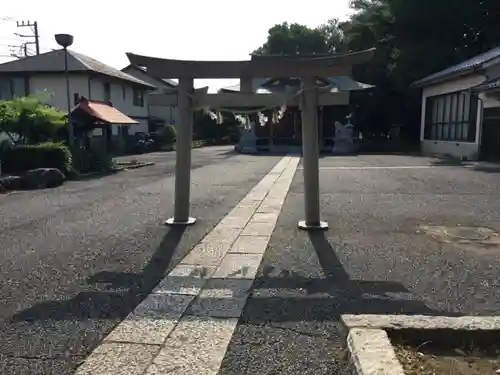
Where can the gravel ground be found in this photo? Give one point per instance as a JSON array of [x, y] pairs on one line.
[[372, 260], [77, 259]]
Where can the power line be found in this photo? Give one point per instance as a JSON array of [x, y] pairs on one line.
[[33, 26]]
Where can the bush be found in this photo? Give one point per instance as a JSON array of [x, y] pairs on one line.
[[31, 119], [20, 159], [93, 160], [5, 146], [169, 135]]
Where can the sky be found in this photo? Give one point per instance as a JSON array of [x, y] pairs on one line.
[[179, 29]]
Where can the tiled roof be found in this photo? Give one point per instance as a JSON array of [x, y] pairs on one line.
[[103, 111], [466, 66], [53, 61], [166, 80]]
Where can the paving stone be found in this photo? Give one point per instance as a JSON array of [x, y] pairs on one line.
[[238, 266], [254, 228], [276, 196], [371, 353], [250, 245], [257, 194], [283, 186], [245, 206], [185, 279], [222, 234], [269, 217], [270, 205], [237, 219], [196, 347], [268, 181], [222, 298], [152, 321], [207, 254], [118, 359]]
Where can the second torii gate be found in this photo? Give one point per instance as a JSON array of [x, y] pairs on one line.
[[308, 68]]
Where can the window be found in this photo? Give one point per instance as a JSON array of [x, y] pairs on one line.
[[107, 92], [138, 98], [13, 87], [451, 117]]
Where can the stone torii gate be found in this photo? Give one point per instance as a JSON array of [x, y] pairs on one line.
[[186, 98]]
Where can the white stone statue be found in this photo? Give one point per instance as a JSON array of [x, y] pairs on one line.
[[344, 143], [248, 138]]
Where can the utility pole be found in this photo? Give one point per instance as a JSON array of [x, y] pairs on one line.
[[22, 50], [34, 28]]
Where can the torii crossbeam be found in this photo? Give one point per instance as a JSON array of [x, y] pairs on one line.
[[306, 67]]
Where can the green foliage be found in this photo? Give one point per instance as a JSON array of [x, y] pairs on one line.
[[169, 135], [293, 39], [31, 119], [411, 44], [23, 158], [207, 128], [94, 160], [5, 146]]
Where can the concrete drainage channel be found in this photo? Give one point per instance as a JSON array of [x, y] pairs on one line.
[[373, 344]]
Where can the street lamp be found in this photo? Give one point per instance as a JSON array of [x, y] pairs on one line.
[[66, 40]]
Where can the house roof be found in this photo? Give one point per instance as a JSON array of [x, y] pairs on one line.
[[103, 111], [269, 85], [53, 61], [491, 84], [467, 66], [143, 70]]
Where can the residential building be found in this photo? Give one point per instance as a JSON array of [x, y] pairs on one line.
[[160, 115], [44, 74], [461, 109]]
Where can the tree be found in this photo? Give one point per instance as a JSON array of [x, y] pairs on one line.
[[414, 38], [30, 119], [333, 35], [293, 39]]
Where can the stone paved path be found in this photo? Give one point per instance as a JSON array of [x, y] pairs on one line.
[[185, 325]]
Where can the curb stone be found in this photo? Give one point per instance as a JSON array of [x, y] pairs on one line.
[[370, 349], [371, 353], [398, 322]]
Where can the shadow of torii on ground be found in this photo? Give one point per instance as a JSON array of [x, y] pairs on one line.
[[305, 298]]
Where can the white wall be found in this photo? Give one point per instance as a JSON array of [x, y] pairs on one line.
[[54, 86], [93, 88], [457, 149], [167, 114]]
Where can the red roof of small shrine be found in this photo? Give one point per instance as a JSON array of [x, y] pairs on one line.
[[103, 111]]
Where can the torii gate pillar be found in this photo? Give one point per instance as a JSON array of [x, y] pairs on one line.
[[310, 156], [183, 154]]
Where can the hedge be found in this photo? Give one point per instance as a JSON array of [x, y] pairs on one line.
[[21, 159], [93, 160], [169, 135]]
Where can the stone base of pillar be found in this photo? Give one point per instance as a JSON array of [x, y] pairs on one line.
[[172, 222], [303, 225], [248, 150]]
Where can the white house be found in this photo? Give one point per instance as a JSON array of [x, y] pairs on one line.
[[160, 115], [45, 74], [461, 109]]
